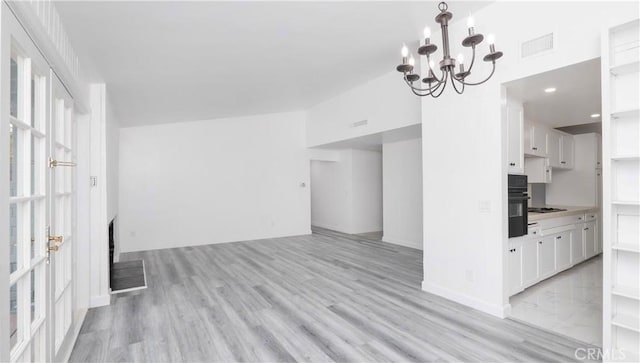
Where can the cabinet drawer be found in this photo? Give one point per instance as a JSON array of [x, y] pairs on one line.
[[579, 218], [591, 216]]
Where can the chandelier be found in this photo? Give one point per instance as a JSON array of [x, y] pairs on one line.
[[436, 85]]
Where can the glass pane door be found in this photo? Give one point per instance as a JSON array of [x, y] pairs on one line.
[[27, 116], [62, 211]]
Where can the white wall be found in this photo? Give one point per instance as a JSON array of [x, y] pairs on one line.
[[402, 191], [214, 181], [464, 140], [346, 195], [112, 139], [367, 191], [383, 102]]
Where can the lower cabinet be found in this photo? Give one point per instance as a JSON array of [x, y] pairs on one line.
[[563, 251], [589, 237], [546, 257], [577, 245], [529, 251], [515, 267], [544, 253]]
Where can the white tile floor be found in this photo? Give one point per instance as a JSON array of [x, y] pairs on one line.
[[569, 303]]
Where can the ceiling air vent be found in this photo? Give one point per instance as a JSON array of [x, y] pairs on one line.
[[360, 123], [537, 45]]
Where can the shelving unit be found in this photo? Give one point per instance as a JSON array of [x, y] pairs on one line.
[[621, 198]]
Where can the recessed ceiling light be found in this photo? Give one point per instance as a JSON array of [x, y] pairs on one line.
[[550, 89], [595, 115]]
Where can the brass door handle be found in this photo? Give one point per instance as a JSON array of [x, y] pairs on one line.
[[54, 248], [55, 239]]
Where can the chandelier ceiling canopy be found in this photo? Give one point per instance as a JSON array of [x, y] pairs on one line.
[[435, 85]]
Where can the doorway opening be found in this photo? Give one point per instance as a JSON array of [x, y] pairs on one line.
[[555, 273]]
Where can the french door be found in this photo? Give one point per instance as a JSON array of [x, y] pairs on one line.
[[37, 129]]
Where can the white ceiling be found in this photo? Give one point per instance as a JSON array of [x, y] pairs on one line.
[[183, 61], [577, 95]]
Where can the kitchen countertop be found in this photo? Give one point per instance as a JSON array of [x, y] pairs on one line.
[[568, 212]]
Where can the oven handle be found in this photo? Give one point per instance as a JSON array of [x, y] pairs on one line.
[[520, 198]]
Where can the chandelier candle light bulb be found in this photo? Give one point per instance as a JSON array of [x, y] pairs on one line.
[[470, 25], [436, 85], [427, 35]]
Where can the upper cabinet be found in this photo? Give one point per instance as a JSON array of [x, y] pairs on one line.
[[514, 130], [554, 144], [566, 151], [560, 147], [535, 139], [557, 146]]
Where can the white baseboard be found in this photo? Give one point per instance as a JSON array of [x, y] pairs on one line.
[[97, 301], [398, 241], [329, 227], [495, 310]]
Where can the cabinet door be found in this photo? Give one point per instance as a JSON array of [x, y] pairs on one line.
[[546, 257], [554, 141], [539, 140], [515, 129], [566, 152], [563, 251], [577, 245], [529, 251], [589, 237], [529, 131], [515, 268]]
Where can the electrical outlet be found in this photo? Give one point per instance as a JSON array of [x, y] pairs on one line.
[[484, 206]]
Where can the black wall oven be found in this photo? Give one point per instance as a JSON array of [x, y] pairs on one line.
[[518, 200]]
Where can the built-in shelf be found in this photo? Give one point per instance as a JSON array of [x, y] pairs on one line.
[[626, 247], [625, 68], [627, 322], [625, 157], [634, 112], [626, 202], [626, 291]]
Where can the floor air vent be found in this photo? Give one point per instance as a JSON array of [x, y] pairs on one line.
[[537, 45]]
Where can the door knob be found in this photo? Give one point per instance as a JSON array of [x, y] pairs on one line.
[[55, 239]]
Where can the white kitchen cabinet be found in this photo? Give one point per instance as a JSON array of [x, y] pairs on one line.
[[554, 145], [563, 251], [515, 125], [566, 151], [537, 170], [589, 237], [535, 139], [515, 266], [546, 257], [529, 252], [560, 149], [577, 245]]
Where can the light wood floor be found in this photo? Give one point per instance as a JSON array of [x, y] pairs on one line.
[[324, 297]]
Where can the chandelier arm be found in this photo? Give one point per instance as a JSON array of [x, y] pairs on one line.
[[493, 69], [453, 82], [473, 58], [415, 90], [446, 77], [419, 94], [430, 89]]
